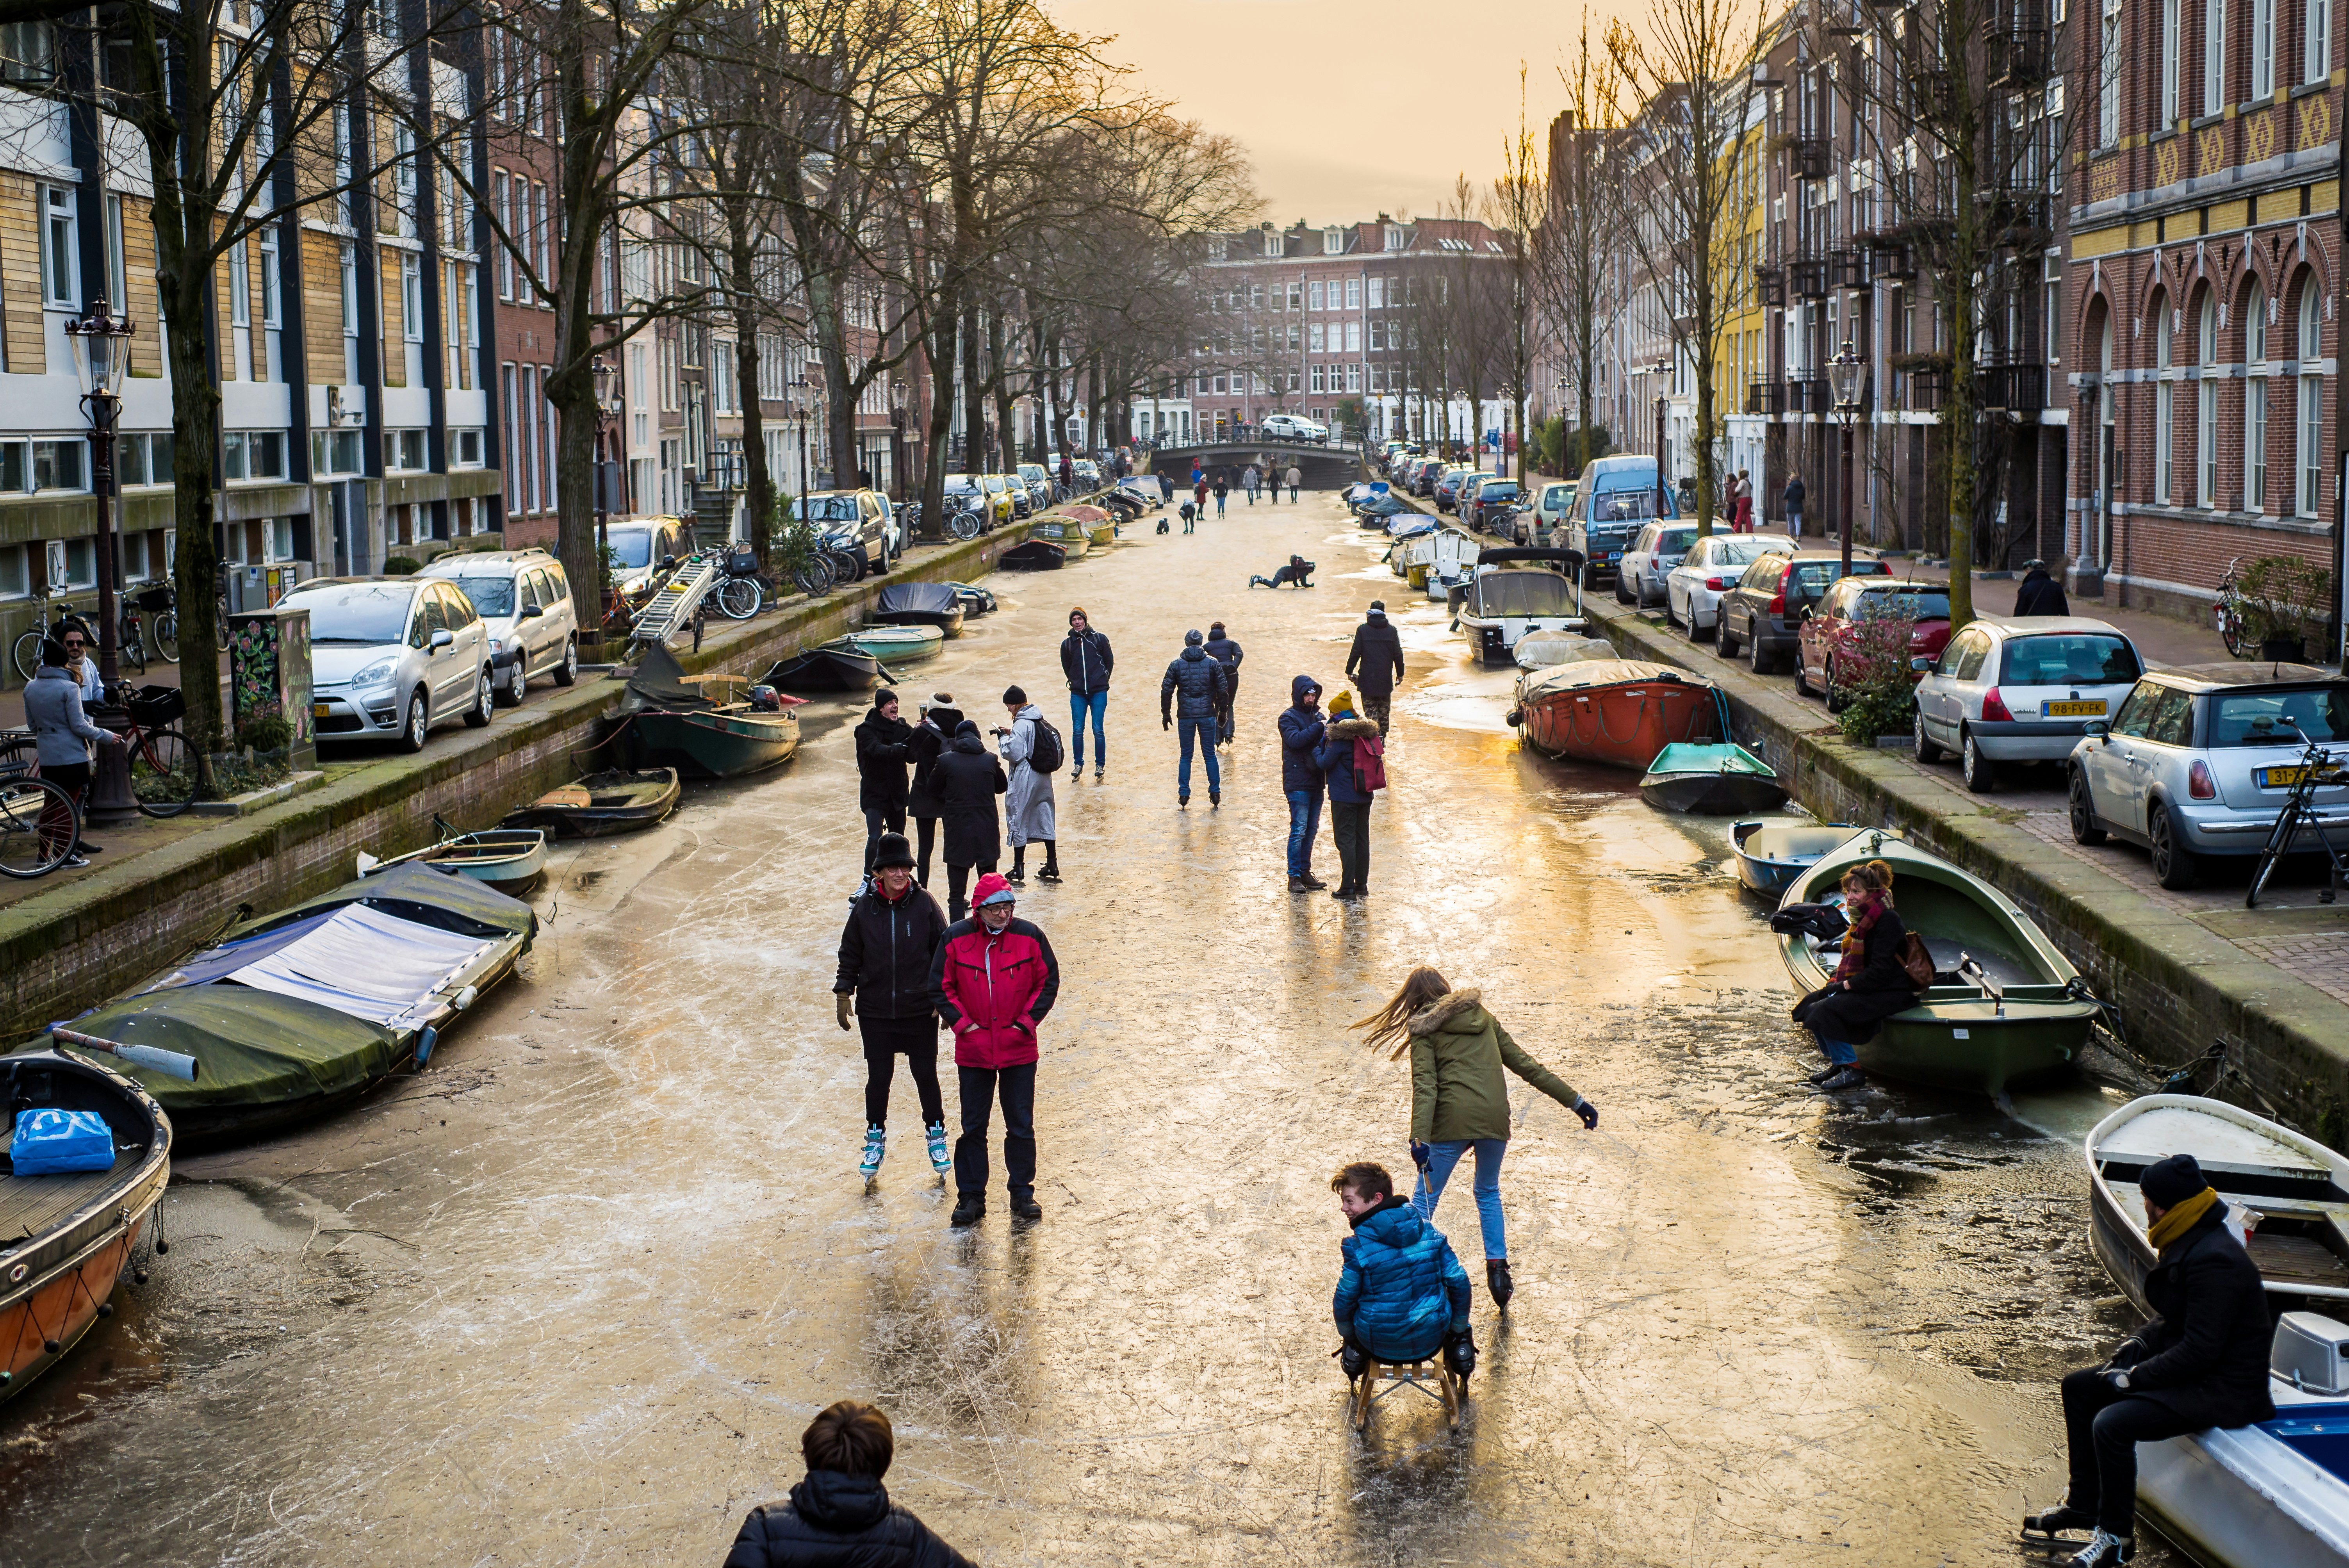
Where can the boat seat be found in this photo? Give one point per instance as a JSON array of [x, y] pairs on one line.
[[1997, 965], [31, 1205]]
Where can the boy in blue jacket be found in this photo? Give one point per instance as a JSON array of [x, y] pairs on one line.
[[1402, 1295]]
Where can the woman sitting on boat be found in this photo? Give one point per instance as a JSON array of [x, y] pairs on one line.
[[1868, 986], [1459, 1099]]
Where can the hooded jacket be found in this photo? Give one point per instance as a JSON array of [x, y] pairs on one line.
[[886, 950], [61, 726], [1086, 660], [1028, 799], [883, 749], [931, 738], [2205, 1357], [2041, 595], [1226, 653], [1335, 757], [1400, 1290], [968, 779], [1193, 687], [1300, 736], [1457, 1052], [839, 1521], [1376, 664], [992, 988]]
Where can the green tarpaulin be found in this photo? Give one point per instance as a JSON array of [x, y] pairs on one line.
[[256, 1049]]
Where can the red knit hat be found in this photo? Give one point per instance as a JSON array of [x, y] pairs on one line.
[[988, 886]]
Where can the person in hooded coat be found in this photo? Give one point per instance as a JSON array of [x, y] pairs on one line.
[[1226, 653], [1402, 1294], [1028, 797], [1375, 663], [884, 748], [1349, 803], [841, 1515], [1301, 779], [969, 777], [2038, 593], [1192, 692], [931, 738]]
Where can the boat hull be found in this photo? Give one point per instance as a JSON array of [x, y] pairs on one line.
[[1769, 859], [947, 621], [1069, 536], [1621, 726], [713, 745], [902, 648], [2241, 1496], [1711, 794], [506, 859], [652, 796], [1960, 1045]]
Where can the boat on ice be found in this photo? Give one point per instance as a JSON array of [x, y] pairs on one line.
[[1711, 778], [509, 859], [700, 726], [1514, 592], [1068, 533], [893, 645], [1035, 555], [619, 800], [1770, 855], [918, 604], [1100, 527], [2020, 1010], [976, 600], [1617, 712]]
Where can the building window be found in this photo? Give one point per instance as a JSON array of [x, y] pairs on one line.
[[2169, 20], [465, 448], [2316, 41], [1334, 242], [502, 203], [2164, 398], [350, 264], [272, 311], [60, 251], [2206, 410], [1353, 338], [1394, 237], [2108, 78], [1353, 378], [2262, 49], [411, 297], [1353, 294], [2255, 401], [2311, 401], [511, 453], [1316, 379], [1313, 297], [29, 54], [2214, 55]]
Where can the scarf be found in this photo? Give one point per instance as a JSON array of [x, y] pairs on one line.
[[2176, 1222], [1855, 941]]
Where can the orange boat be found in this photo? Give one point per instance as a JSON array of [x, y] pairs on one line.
[[1620, 712]]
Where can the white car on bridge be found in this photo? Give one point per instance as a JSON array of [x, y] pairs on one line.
[[1290, 427]]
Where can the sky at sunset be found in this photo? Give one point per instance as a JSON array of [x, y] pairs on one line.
[[1347, 107]]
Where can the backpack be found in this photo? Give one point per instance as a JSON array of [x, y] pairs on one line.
[[1370, 764], [1048, 754]]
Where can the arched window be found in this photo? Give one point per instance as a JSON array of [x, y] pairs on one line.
[[2255, 398], [2164, 391], [2206, 406], [2311, 350]]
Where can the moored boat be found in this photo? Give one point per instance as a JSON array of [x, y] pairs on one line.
[[918, 604], [1717, 779], [1618, 712], [1770, 855], [1516, 591], [2027, 1016], [893, 645], [976, 600], [695, 725], [616, 801], [1035, 555], [837, 665], [1100, 527], [1068, 533], [511, 860]]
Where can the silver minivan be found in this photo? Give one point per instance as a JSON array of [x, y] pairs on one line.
[[525, 602], [392, 656]]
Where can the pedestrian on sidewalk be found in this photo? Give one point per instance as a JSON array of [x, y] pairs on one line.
[[883, 982], [931, 737], [1028, 796], [1793, 496], [1742, 503], [78, 640], [1166, 486], [1349, 772], [1375, 663], [2201, 1362], [1068, 476], [1402, 1294], [1226, 653], [969, 777], [994, 980], [2038, 593], [1459, 1100], [62, 736], [1295, 477], [884, 749], [1250, 478], [1301, 779], [1192, 692], [1870, 984], [841, 1512], [1086, 661], [1223, 488]]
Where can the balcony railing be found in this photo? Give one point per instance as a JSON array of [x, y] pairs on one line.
[[1890, 259], [1770, 284], [1847, 269], [1808, 395], [1766, 397], [1813, 157], [2019, 56], [1807, 277], [2017, 388]]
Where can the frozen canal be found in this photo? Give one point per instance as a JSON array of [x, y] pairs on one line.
[[571, 1297]]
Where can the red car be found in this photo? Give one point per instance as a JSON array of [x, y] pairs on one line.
[[1829, 633]]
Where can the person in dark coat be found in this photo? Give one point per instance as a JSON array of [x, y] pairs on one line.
[[884, 749], [1226, 653], [1793, 498], [1301, 731], [969, 777], [2038, 593], [1350, 803], [1086, 661], [883, 982], [1375, 663], [2202, 1362], [1192, 692], [931, 737], [1870, 984], [841, 1515]]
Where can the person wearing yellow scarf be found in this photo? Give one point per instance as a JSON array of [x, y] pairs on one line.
[[2201, 1362]]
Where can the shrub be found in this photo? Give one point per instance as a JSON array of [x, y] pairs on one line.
[[1883, 696], [2288, 599], [271, 731], [400, 565]]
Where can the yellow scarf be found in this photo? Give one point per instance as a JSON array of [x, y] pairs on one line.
[[2176, 1222]]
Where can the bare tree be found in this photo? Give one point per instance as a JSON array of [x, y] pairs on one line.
[[1583, 231]]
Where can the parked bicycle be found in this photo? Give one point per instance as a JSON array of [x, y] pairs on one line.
[[48, 608], [40, 822], [2317, 768], [150, 618], [2233, 621], [163, 776], [744, 592]]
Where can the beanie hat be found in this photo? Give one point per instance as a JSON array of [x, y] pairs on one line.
[[1014, 697], [890, 850], [1342, 703], [1077, 609], [1191, 639], [992, 889], [941, 699], [2172, 1181]]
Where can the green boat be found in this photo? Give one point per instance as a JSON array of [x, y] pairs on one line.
[[702, 724], [1068, 533], [1712, 780], [895, 645], [2006, 1007]]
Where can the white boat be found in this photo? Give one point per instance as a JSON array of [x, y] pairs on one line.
[[1452, 557], [2257, 1497]]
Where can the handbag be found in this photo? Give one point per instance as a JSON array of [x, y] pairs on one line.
[[1918, 960]]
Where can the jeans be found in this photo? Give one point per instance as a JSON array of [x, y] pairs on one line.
[[1839, 1053], [980, 1087], [1793, 519], [1304, 827], [1251, 495], [1292, 495], [1428, 1191], [878, 820], [886, 1039], [1350, 826], [2103, 1425], [1079, 704], [1219, 503], [1201, 732]]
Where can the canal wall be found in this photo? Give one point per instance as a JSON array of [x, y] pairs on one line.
[[63, 950]]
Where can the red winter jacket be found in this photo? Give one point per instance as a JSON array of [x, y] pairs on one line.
[[993, 989]]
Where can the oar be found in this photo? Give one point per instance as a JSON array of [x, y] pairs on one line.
[[171, 1064]]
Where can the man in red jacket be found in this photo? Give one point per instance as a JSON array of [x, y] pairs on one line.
[[994, 979]]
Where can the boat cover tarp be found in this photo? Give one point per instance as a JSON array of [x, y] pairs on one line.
[[1548, 650], [1506, 594], [917, 598], [418, 892], [257, 1048], [1084, 513], [365, 963], [660, 683], [1600, 673]]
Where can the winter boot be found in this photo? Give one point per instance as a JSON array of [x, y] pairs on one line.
[[940, 1160], [1018, 875], [1299, 885], [1077, 774], [875, 1145], [1845, 1079], [2056, 1519], [2105, 1549], [969, 1209], [1215, 797], [1184, 798], [1312, 882], [1025, 1207], [1817, 1078], [1499, 1284], [1051, 871], [1100, 771]]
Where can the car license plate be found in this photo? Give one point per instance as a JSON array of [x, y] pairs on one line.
[[1614, 557], [2073, 710], [320, 710], [2278, 778]]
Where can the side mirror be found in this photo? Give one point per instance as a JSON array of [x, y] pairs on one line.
[[1921, 666], [2097, 727], [532, 611], [439, 640], [668, 562]]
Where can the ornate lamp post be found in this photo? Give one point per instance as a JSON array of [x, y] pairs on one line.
[[1662, 370], [607, 415], [897, 436], [1845, 372], [103, 340]]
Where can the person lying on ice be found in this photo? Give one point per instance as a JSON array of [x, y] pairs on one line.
[[1402, 1295]]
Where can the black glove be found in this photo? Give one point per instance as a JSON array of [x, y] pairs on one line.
[[2117, 1377], [1460, 1352], [1419, 1153], [1588, 1111], [1165, 721], [2131, 1351], [1350, 1360]]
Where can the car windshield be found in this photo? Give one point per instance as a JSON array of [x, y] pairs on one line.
[[2267, 718], [1624, 505], [2069, 659], [1499, 490], [961, 484], [1522, 593], [632, 546], [491, 595], [830, 509], [366, 613], [1904, 604]]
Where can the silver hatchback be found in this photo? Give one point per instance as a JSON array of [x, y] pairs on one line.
[[392, 656], [2019, 688]]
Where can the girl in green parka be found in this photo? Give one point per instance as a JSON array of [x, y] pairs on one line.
[[1459, 1099]]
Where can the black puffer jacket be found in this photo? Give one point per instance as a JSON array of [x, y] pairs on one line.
[[882, 753], [931, 738], [1376, 661], [2206, 1355], [1226, 653], [1087, 661], [886, 950], [1193, 687], [836, 1520], [969, 777]]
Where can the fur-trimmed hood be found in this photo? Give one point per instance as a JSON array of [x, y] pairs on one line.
[[1355, 729], [1432, 1018]]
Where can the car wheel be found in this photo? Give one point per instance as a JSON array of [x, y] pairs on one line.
[[1838, 699], [1926, 750], [1724, 644], [2174, 865], [1764, 662], [517, 683], [485, 701], [1802, 673], [2081, 807], [1694, 633], [1621, 596], [1672, 611], [420, 722], [567, 671], [1980, 772]]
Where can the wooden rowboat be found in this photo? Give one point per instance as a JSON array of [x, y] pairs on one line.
[[1619, 712], [1770, 856], [836, 667], [1719, 780], [1067, 533], [2028, 1016], [1035, 555], [717, 743], [602, 804], [895, 645], [509, 859]]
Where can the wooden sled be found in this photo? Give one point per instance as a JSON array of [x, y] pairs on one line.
[[1429, 1375]]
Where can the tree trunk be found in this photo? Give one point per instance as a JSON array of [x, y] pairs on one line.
[[973, 400], [1006, 427]]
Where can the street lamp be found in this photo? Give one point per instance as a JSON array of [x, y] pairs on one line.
[[1662, 370], [103, 340], [1843, 375], [607, 415], [897, 436]]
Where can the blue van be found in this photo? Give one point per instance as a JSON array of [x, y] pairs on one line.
[[1618, 497]]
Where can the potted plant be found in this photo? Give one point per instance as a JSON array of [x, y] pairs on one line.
[[2286, 603]]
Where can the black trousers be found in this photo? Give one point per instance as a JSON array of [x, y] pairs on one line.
[[980, 1087], [2103, 1425], [880, 820], [886, 1039], [927, 831], [1350, 826], [958, 884]]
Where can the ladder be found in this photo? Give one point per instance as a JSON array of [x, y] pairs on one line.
[[673, 603]]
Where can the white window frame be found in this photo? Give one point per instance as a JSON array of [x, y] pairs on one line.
[[2170, 23], [2316, 41], [2309, 414], [2214, 55], [2206, 409], [2263, 29], [2165, 417], [60, 247]]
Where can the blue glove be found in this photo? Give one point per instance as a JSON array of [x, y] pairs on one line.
[[1588, 1111], [1419, 1153]]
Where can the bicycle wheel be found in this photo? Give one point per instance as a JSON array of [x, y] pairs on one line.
[[133, 650], [965, 525], [739, 598], [25, 849], [813, 576], [163, 773], [28, 655], [167, 637]]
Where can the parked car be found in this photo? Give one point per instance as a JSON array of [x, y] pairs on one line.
[[1088, 475], [1551, 504], [1039, 484], [1022, 503], [1454, 480], [1763, 612], [1828, 637], [2198, 762], [524, 602], [969, 490], [1711, 567], [2021, 689], [1617, 496], [1292, 428], [392, 656], [639, 545], [1491, 496], [854, 521], [1654, 551]]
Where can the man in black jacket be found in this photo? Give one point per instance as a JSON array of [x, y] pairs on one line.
[[940, 719], [882, 740], [893, 932], [841, 1515], [1086, 660], [2038, 593], [2201, 1362], [1192, 691], [967, 778], [1376, 663], [1226, 653]]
